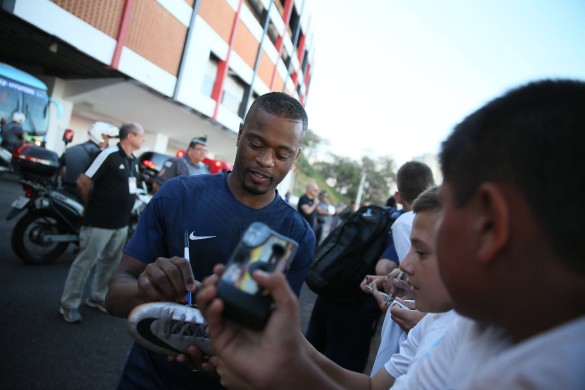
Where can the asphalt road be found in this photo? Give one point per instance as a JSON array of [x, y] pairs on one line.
[[39, 350]]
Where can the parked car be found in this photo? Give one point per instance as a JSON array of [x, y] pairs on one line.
[[217, 166], [150, 164]]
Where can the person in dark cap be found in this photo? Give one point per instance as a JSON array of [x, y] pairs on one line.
[[188, 165]]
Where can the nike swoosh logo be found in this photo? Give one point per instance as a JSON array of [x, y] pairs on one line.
[[193, 237]]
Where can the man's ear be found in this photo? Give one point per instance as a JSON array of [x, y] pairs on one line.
[[493, 221], [296, 158], [398, 197]]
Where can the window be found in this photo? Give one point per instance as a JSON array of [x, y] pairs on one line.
[[293, 22], [210, 75], [233, 92], [272, 33], [305, 61], [285, 58], [257, 9]]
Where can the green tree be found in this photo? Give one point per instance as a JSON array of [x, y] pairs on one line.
[[380, 176], [342, 175], [311, 144]]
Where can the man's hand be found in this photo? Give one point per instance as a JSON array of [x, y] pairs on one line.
[[195, 360], [166, 280]]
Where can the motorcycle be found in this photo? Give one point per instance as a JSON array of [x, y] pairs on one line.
[[53, 218], [51, 223], [5, 155], [5, 161]]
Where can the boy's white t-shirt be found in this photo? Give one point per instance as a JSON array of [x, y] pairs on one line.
[[401, 229], [421, 340], [475, 356], [391, 334]]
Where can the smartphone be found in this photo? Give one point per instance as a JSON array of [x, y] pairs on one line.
[[259, 248]]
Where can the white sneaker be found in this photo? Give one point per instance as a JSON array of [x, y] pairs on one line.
[[169, 328], [98, 305]]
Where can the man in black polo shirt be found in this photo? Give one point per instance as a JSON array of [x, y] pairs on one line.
[[108, 190]]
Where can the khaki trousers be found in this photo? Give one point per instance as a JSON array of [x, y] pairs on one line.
[[101, 248]]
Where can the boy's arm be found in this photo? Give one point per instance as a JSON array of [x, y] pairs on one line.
[[345, 378]]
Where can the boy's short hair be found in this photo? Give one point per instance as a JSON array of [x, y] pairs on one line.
[[532, 140], [412, 179], [427, 201]]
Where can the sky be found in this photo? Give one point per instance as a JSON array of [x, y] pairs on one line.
[[392, 77]]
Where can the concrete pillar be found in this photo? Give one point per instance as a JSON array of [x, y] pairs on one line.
[[57, 125], [161, 143]]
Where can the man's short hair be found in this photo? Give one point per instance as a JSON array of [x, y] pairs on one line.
[[126, 129], [530, 139], [281, 105], [412, 179]]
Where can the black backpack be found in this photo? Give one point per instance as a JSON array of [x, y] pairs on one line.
[[348, 254]]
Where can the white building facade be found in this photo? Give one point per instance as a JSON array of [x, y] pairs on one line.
[[181, 68]]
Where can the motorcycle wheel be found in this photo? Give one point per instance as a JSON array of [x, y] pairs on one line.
[[27, 238]]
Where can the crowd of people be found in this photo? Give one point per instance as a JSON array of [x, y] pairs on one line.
[[463, 287], [506, 230]]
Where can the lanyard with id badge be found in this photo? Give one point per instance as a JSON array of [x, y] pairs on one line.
[[132, 184], [132, 179]]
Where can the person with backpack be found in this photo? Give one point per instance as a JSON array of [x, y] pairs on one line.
[[389, 258], [343, 317], [354, 319]]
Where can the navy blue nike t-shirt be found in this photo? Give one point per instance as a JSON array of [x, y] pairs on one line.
[[203, 206]]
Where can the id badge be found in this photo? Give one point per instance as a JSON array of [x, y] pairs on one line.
[[132, 184]]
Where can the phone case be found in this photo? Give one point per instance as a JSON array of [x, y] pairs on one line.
[[259, 248]]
